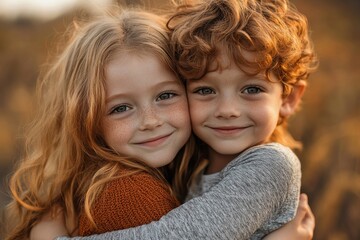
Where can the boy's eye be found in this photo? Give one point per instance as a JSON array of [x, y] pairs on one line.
[[252, 90], [165, 96], [120, 109], [204, 91]]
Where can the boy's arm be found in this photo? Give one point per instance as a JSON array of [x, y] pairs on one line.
[[300, 228], [233, 209]]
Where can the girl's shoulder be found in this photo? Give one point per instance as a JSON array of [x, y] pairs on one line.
[[137, 183], [129, 201]]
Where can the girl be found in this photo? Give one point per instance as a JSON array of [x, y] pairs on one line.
[[110, 137]]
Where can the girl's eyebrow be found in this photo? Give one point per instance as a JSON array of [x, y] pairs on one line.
[[115, 96], [154, 87]]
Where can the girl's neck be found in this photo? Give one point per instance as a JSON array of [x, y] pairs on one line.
[[218, 161]]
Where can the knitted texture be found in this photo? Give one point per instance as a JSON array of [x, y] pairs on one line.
[[128, 202]]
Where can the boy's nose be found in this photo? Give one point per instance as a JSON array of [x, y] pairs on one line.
[[228, 107], [150, 119]]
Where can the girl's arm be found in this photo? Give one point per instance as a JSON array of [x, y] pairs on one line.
[[50, 226]]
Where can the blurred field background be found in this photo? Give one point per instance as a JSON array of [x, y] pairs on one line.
[[328, 124]]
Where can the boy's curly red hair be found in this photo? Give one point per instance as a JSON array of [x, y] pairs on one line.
[[272, 29]]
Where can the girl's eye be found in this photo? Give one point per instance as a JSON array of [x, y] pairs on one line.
[[165, 96], [252, 90], [204, 91], [120, 109]]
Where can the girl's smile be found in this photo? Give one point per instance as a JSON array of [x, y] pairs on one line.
[[154, 141], [147, 113]]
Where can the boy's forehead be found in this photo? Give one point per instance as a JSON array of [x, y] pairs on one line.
[[224, 58]]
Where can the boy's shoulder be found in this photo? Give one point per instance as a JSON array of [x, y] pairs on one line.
[[270, 151], [270, 155]]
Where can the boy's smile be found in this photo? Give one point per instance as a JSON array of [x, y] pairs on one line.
[[231, 111], [227, 130]]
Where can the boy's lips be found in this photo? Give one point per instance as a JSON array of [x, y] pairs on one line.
[[227, 129]]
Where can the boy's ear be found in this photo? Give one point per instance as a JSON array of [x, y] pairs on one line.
[[291, 102]]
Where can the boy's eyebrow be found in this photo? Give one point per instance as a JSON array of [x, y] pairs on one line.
[[245, 78]]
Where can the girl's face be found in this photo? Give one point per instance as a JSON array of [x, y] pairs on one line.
[[231, 111], [146, 109]]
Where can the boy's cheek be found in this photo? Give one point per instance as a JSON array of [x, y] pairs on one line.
[[196, 106], [198, 114]]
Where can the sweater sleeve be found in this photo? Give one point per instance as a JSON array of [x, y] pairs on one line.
[[128, 202], [251, 192]]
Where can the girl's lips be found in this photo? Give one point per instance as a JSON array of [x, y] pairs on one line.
[[154, 141]]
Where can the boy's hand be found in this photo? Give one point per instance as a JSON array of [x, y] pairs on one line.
[[300, 228], [305, 218], [50, 226]]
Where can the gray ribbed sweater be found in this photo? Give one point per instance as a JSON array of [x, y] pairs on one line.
[[253, 195]]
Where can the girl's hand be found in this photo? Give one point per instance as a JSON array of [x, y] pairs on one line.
[[50, 226], [300, 228]]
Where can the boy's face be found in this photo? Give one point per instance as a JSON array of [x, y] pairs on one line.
[[146, 109], [231, 111]]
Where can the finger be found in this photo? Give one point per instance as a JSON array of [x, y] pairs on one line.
[[304, 206], [302, 209], [308, 220]]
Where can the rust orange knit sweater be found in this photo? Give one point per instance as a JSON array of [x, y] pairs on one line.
[[128, 202]]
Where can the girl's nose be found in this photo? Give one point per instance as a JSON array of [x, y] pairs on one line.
[[150, 119]]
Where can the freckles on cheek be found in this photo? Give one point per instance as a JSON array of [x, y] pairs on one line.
[[180, 112], [115, 132]]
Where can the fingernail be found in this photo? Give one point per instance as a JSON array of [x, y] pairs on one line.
[[303, 197]]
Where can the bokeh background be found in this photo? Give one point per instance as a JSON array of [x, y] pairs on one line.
[[328, 124]]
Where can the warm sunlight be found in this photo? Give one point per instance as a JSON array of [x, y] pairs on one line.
[[44, 9], [34, 32]]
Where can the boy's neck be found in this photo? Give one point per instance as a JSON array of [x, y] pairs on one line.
[[217, 161]]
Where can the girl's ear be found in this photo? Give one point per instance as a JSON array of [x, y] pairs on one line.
[[291, 102]]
